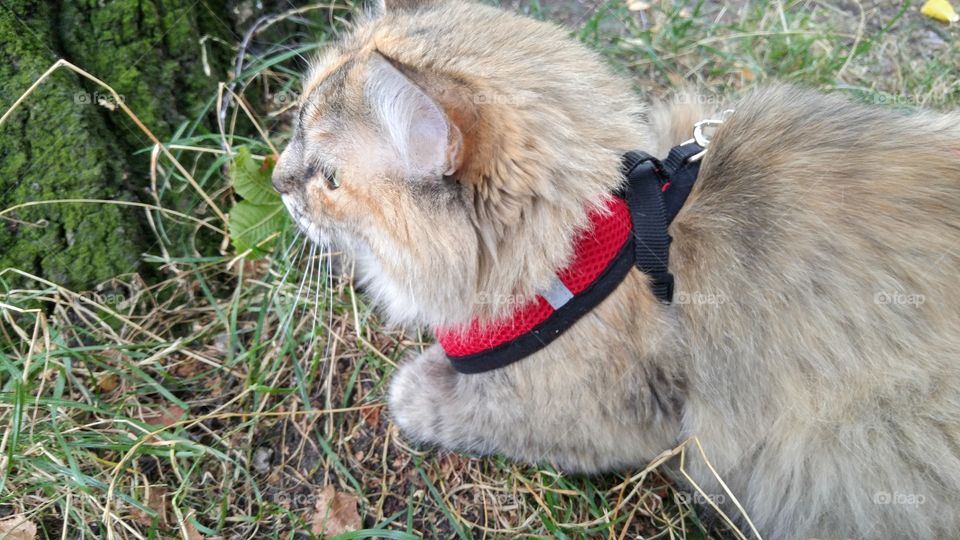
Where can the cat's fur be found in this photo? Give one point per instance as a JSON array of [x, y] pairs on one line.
[[814, 348]]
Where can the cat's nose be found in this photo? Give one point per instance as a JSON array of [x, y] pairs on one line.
[[279, 184], [283, 178]]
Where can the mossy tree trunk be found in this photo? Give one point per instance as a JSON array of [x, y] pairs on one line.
[[61, 144]]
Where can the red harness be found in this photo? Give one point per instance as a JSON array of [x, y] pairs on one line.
[[603, 255], [594, 249]]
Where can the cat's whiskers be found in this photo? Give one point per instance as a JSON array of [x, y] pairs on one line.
[[290, 263], [327, 348], [316, 297], [296, 300], [278, 293], [309, 279]]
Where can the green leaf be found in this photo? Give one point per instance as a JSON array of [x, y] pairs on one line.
[[251, 179], [251, 225]]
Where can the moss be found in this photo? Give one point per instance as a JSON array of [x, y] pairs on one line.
[[61, 145], [54, 148], [150, 52]]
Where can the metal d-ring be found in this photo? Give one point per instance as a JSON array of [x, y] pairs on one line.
[[701, 138]]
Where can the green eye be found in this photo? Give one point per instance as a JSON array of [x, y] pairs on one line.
[[334, 179]]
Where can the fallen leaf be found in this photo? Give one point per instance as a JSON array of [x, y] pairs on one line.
[[17, 527], [156, 500], [638, 5], [940, 10], [108, 383], [165, 416], [215, 386], [266, 166], [372, 417], [186, 368], [188, 528], [334, 513], [450, 464]]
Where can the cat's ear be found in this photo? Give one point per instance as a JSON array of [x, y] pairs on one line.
[[417, 129], [381, 7]]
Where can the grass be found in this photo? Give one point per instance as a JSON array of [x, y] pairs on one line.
[[219, 400]]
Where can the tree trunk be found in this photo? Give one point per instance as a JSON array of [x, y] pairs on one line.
[[62, 144]]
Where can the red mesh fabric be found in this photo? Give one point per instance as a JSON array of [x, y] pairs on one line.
[[594, 250]]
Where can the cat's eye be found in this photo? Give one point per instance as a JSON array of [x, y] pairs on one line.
[[330, 175], [333, 179]]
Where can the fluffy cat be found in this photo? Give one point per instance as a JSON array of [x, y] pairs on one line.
[[814, 348]]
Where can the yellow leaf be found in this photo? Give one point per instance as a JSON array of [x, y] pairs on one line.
[[940, 10]]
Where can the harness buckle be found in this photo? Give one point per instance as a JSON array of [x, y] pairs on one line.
[[701, 138]]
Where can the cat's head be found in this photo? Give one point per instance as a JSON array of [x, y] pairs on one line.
[[454, 149]]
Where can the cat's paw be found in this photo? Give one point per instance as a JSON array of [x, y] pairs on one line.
[[420, 392]]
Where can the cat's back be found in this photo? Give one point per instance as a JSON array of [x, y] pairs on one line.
[[806, 149], [827, 235], [813, 212], [796, 179]]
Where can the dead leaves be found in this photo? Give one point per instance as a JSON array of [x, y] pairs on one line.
[[334, 513], [155, 499], [17, 527], [108, 383], [371, 417], [188, 530], [165, 416]]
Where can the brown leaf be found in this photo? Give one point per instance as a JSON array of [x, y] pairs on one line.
[[372, 417], [165, 416], [215, 386], [334, 513], [108, 383], [268, 163], [17, 527], [191, 532], [156, 500], [187, 368]]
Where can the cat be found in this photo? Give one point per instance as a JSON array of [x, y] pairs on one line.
[[813, 345]]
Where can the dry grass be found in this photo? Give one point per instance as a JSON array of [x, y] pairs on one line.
[[219, 399]]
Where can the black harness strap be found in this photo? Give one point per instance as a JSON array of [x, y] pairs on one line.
[[655, 192]]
